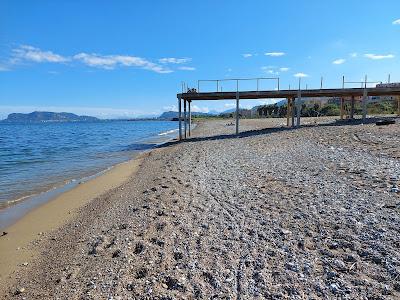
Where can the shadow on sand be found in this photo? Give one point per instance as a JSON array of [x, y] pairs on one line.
[[264, 131]]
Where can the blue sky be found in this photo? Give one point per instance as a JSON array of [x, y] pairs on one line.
[[128, 58]]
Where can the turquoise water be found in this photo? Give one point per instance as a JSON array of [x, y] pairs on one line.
[[36, 157]]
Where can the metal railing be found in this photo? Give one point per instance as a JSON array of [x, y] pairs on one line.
[[363, 83], [258, 80], [218, 82]]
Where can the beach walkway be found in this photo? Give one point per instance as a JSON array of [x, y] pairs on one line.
[[271, 213]]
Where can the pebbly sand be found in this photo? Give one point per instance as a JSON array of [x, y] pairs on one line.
[[310, 213]]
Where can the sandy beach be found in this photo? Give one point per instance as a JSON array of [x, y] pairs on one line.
[[20, 242], [277, 213]]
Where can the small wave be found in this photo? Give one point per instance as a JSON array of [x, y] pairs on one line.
[[8, 203], [168, 132]]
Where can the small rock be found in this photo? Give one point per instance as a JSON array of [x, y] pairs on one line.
[[334, 288], [396, 286], [331, 275], [292, 267], [139, 247], [178, 255], [117, 253], [141, 273], [19, 291], [349, 258], [333, 245]]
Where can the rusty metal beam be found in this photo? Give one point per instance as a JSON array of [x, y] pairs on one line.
[[357, 92]]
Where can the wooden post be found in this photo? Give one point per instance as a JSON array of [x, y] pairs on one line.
[[364, 104], [341, 108], [190, 119], [184, 116], [237, 112], [352, 108], [180, 118]]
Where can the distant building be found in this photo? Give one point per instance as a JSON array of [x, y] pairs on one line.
[[388, 85]]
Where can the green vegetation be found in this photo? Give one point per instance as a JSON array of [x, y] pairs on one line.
[[330, 109], [307, 110]]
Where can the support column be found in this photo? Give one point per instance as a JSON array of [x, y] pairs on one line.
[[180, 118], [398, 105], [190, 118], [341, 108], [364, 104], [288, 112], [352, 108], [237, 112], [298, 109], [293, 109], [184, 117]]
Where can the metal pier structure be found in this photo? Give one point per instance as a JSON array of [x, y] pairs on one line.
[[294, 98]]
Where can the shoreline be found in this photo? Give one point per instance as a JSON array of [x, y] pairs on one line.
[[18, 208], [16, 246], [11, 211], [59, 206]]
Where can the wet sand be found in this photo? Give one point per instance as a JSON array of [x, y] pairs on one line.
[[308, 213]]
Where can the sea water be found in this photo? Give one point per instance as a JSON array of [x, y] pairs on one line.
[[38, 157]]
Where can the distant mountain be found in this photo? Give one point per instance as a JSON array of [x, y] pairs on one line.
[[281, 103], [45, 116], [228, 111], [214, 112], [169, 115]]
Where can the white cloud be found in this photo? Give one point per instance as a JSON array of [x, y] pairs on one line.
[[203, 109], [396, 22], [110, 62], [274, 70], [193, 108], [4, 68], [378, 56], [29, 53], [339, 61], [184, 68], [94, 60], [275, 54], [170, 108], [354, 54], [26, 53], [268, 101], [270, 69], [229, 105], [247, 55], [174, 60], [300, 75]]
